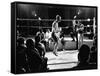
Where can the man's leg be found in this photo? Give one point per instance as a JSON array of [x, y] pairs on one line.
[[81, 35], [55, 48], [79, 40], [72, 36]]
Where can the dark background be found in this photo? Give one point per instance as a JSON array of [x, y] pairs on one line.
[[36, 11]]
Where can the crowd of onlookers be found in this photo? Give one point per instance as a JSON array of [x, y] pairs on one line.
[[30, 56]]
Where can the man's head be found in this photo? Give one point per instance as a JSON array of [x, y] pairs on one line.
[[58, 18], [84, 52], [37, 39], [30, 43]]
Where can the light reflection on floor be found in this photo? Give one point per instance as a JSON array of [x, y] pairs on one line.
[[64, 60]]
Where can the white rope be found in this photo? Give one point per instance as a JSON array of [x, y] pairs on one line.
[[22, 19]]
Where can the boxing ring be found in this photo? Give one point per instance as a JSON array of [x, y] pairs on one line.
[[67, 52]]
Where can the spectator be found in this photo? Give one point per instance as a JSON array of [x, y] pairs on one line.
[[33, 57], [39, 46], [40, 33], [21, 64], [35, 61], [93, 55], [41, 49], [83, 57]]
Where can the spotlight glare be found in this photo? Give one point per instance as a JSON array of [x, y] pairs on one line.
[[39, 18], [75, 16], [88, 25], [88, 19]]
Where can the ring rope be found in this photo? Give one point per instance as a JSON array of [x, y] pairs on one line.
[[22, 19]]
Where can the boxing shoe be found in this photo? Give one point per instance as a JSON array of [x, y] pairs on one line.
[[55, 53]]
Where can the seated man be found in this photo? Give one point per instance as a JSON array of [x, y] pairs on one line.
[[84, 57], [40, 46], [21, 63], [41, 49], [40, 33], [35, 62]]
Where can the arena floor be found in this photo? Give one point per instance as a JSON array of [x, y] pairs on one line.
[[65, 59]]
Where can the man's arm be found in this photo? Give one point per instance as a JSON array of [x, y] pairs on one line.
[[52, 26]]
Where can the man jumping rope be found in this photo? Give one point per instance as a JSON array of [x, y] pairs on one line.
[[55, 33]]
